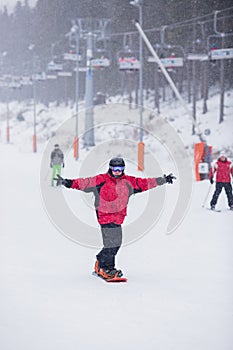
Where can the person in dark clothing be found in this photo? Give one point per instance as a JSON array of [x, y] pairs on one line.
[[224, 171], [112, 191], [112, 240], [56, 162]]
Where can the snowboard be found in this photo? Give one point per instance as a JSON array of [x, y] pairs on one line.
[[111, 280]]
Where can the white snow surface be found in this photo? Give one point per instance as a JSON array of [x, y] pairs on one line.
[[179, 294]]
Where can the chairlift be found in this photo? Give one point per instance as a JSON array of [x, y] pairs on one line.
[[13, 82], [127, 57], [102, 62], [171, 56], [64, 74], [26, 80], [72, 56], [101, 55], [54, 67], [39, 76], [14, 85], [128, 63], [170, 60], [51, 76]]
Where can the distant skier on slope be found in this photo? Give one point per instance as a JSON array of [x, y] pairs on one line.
[[112, 191], [56, 162], [223, 169]]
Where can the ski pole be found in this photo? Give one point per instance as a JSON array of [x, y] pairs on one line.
[[207, 196]]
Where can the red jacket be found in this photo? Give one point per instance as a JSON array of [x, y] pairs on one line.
[[112, 194], [223, 171]]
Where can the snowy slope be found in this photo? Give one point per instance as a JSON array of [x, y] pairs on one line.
[[179, 290], [180, 286]]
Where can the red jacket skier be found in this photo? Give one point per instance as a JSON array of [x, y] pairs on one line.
[[224, 171], [112, 191]]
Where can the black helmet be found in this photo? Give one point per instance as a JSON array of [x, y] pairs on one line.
[[116, 162]]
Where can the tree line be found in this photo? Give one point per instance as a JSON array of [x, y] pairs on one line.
[[45, 26]]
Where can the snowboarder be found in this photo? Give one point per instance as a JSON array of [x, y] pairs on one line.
[[112, 191], [223, 169], [56, 162]]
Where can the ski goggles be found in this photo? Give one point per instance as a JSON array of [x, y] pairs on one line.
[[117, 168]]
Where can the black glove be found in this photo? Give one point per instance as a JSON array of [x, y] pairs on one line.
[[63, 165], [64, 182], [169, 178], [211, 181], [166, 178], [51, 165]]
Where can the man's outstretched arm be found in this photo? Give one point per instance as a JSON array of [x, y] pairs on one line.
[[143, 184]]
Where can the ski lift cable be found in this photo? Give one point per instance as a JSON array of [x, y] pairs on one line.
[[191, 20], [211, 20], [167, 76], [177, 24], [188, 21], [227, 9]]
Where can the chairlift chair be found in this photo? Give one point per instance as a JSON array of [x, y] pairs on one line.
[[101, 55], [127, 57]]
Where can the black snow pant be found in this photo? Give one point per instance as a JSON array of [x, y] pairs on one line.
[[228, 189], [112, 239]]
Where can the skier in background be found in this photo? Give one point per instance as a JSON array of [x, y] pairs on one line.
[[112, 191], [224, 170], [56, 162]]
